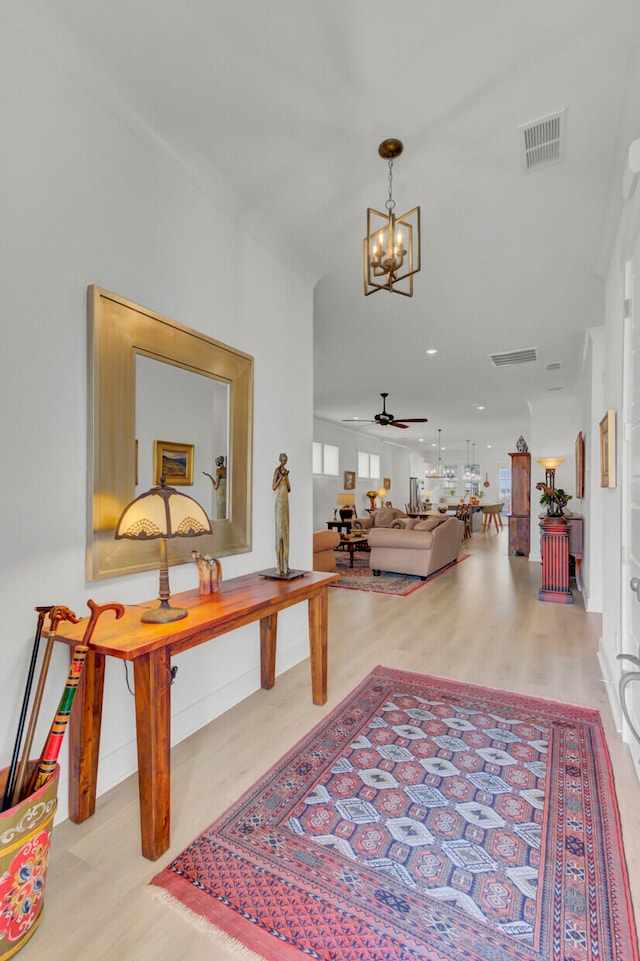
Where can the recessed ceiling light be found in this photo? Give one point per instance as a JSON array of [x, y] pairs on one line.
[[431, 350], [488, 446], [479, 406]]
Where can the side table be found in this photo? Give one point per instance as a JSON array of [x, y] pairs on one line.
[[339, 525]]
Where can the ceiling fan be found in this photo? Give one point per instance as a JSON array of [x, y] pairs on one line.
[[385, 419]]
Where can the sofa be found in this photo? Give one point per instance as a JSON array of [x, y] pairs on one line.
[[422, 549], [324, 544], [382, 517]]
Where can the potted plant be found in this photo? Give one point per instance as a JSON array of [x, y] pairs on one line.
[[555, 500]]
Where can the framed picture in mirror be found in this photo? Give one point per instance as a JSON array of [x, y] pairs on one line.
[[174, 462]]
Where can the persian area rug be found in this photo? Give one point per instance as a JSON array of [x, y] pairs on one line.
[[423, 819], [361, 577]]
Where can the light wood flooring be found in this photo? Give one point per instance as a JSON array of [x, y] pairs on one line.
[[480, 622]]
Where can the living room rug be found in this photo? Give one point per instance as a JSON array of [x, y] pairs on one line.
[[362, 578], [423, 819]]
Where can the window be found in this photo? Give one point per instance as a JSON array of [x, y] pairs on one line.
[[368, 465], [331, 460], [325, 459], [316, 458]]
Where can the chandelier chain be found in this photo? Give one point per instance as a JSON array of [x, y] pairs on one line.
[[390, 204]]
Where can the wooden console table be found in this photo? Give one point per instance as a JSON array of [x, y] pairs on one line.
[[240, 601]]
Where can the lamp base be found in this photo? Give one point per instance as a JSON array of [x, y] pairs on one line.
[[163, 614]]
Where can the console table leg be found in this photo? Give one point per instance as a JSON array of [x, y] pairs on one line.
[[152, 674], [268, 636], [318, 624], [84, 738]]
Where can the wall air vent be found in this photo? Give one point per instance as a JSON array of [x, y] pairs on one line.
[[515, 357], [542, 141], [555, 366]]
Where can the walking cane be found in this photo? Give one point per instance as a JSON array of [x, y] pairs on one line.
[[56, 614], [46, 766], [8, 790]]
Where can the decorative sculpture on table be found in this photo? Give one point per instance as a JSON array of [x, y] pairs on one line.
[[220, 487], [521, 445], [282, 486], [209, 572], [555, 499]]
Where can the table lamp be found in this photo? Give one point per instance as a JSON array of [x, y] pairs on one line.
[[160, 513], [346, 503], [382, 493]]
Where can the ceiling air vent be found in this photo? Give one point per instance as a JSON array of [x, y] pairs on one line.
[[514, 357], [542, 141], [556, 365]]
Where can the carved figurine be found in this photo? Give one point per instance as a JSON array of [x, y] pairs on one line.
[[209, 572], [282, 486], [220, 487], [555, 500], [521, 445]]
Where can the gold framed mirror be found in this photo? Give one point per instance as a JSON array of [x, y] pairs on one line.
[[119, 333]]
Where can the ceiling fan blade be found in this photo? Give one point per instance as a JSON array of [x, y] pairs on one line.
[[357, 420], [395, 423], [413, 420]]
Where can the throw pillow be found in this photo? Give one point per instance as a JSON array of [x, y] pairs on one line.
[[429, 523]]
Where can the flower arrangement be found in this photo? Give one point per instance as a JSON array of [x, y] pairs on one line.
[[372, 498]]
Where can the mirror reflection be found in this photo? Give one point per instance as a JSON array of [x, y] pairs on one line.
[[186, 411]]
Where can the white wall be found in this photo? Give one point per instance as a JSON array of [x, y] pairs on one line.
[[89, 195], [592, 411], [612, 510], [349, 442]]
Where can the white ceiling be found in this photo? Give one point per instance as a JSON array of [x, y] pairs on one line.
[[290, 99]]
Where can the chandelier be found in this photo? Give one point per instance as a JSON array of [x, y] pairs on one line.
[[392, 244], [440, 469]]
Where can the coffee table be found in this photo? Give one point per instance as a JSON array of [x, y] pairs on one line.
[[353, 543]]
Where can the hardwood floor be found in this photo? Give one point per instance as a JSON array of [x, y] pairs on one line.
[[480, 622]]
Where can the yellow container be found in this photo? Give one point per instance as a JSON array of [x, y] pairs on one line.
[[25, 839]]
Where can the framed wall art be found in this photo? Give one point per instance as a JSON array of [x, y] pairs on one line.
[[349, 480], [580, 465], [608, 449], [386, 483], [174, 462]]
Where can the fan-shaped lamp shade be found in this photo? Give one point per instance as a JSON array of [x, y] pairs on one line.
[[160, 513], [550, 464]]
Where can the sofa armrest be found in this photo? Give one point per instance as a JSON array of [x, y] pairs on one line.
[[399, 538], [325, 540], [362, 523], [403, 523]]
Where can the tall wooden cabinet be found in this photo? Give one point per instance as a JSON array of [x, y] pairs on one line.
[[520, 515]]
